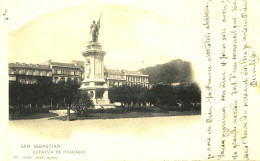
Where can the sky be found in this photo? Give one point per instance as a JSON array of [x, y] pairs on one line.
[[134, 35]]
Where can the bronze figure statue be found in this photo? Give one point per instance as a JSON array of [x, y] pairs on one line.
[[94, 30]]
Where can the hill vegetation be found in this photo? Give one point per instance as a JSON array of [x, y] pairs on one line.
[[175, 71]]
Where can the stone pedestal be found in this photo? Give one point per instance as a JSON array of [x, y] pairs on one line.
[[94, 81]]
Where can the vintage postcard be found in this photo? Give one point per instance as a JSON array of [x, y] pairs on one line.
[[130, 80]]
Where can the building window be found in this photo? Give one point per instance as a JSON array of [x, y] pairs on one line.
[[12, 78], [56, 80], [43, 73], [34, 81], [27, 81], [111, 83], [22, 81], [11, 71], [116, 84], [29, 72], [62, 79], [54, 71], [21, 71], [36, 72], [49, 74]]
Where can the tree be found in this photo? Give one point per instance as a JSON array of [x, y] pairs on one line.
[[70, 89], [15, 93], [129, 94], [189, 94], [164, 95]]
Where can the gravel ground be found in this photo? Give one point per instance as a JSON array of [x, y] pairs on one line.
[[157, 138]]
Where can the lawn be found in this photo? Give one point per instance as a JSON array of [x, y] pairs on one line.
[[119, 112], [32, 116]]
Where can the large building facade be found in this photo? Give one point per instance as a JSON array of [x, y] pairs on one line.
[[31, 73], [66, 71], [28, 73], [56, 71], [125, 77]]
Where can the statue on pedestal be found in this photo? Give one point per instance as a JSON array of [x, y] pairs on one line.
[[94, 82], [94, 30]]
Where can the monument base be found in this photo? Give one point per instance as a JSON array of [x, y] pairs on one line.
[[104, 106], [99, 96], [94, 82]]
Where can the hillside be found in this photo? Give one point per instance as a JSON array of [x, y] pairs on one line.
[[175, 71]]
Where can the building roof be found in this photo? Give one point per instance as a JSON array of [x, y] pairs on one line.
[[137, 73], [114, 71], [79, 63], [126, 72], [31, 66], [68, 65]]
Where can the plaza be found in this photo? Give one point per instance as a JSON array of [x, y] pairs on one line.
[[154, 138]]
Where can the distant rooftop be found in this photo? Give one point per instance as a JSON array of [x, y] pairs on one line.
[[133, 72], [79, 63], [24, 65], [127, 72], [114, 71], [64, 64], [73, 64]]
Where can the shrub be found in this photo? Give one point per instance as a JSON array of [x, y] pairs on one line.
[[26, 111], [81, 103]]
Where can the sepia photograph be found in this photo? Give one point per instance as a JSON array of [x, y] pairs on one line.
[[123, 80], [89, 87]]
